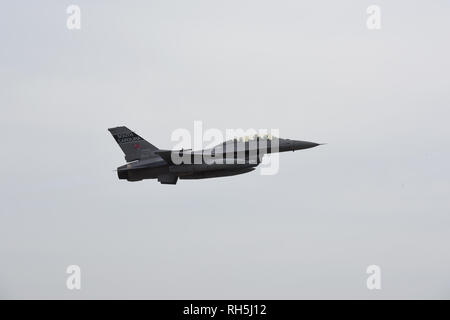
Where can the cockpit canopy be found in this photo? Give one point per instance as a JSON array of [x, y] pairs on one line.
[[255, 137]]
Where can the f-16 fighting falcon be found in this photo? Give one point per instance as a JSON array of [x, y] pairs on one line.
[[233, 157]]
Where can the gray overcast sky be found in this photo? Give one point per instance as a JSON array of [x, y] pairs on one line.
[[377, 193]]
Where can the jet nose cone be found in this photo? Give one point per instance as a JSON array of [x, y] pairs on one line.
[[298, 145]]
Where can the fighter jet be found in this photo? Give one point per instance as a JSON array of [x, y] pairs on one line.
[[232, 157]]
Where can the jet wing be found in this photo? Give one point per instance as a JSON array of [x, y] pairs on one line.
[[165, 154]]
